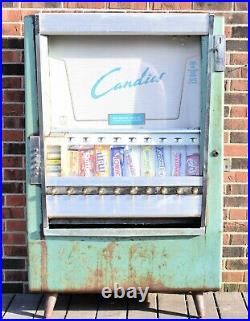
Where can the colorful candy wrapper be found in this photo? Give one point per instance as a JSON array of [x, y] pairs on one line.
[[148, 160], [132, 160], [162, 160], [87, 162], [178, 160], [102, 157], [117, 161], [73, 163], [193, 161]]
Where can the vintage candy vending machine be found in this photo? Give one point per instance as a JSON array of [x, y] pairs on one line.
[[124, 145]]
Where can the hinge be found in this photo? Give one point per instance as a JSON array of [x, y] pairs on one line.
[[219, 52], [35, 160]]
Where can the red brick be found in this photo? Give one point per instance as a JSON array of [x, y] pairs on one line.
[[237, 214], [12, 109], [13, 238], [84, 5], [128, 5], [223, 6], [238, 239], [14, 250], [226, 239], [236, 98], [239, 85], [11, 16], [239, 58], [241, 6], [240, 177], [3, 225], [16, 226], [235, 226], [171, 5], [11, 29], [239, 111], [235, 150], [235, 123], [14, 96], [12, 82], [228, 31], [12, 135], [245, 277], [10, 56], [14, 174], [234, 17], [239, 137], [41, 4], [15, 200], [236, 189], [226, 137], [232, 276], [236, 264], [12, 212], [12, 161], [15, 275]]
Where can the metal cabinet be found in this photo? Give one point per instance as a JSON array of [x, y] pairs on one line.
[[124, 145]]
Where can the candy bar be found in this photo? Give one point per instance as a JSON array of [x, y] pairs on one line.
[[162, 160], [193, 161], [102, 156], [117, 161], [148, 161], [132, 160], [87, 162], [178, 160]]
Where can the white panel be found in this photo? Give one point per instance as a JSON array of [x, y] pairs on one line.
[[111, 206], [161, 77], [123, 23]]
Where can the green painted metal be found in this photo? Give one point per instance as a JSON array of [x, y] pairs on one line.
[[86, 264]]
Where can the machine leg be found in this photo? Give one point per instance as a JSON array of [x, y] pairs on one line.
[[49, 305], [199, 304]]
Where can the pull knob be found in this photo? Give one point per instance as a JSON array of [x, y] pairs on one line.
[[215, 153], [102, 191], [179, 191], [131, 139], [117, 191], [70, 191], [100, 139], [164, 190], [86, 191], [149, 190], [195, 190], [134, 190], [54, 191]]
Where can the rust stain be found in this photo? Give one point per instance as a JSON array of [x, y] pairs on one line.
[[44, 272]]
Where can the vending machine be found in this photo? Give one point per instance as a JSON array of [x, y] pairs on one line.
[[124, 150]]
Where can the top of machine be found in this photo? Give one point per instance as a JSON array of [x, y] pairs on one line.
[[115, 71]]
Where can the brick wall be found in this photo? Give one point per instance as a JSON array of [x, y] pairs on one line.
[[235, 188]]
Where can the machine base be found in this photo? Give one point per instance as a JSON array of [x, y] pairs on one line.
[[197, 297]]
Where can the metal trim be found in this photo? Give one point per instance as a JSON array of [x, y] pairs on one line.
[[123, 232], [123, 24]]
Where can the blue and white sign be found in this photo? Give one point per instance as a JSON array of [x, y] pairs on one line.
[[127, 77]]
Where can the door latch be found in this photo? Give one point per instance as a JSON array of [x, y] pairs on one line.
[[219, 52], [35, 160]]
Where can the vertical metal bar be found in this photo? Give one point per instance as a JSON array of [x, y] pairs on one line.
[[33, 193]]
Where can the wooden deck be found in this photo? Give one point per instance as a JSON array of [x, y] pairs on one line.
[[158, 306]]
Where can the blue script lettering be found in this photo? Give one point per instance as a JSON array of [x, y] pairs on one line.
[[145, 79]]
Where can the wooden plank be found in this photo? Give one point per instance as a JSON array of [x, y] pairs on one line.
[[231, 305], [172, 306], [144, 310], [6, 299], [83, 306], [210, 306], [23, 306], [245, 295], [112, 309], [60, 309]]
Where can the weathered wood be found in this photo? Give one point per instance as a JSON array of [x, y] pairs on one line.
[[245, 295], [60, 309], [6, 299], [23, 306], [210, 307], [144, 310], [83, 307], [112, 309], [231, 305], [172, 306]]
